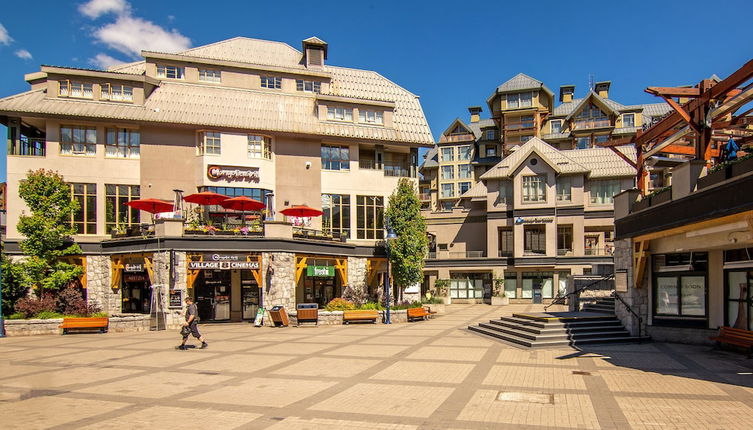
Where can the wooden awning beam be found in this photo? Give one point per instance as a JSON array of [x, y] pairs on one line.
[[673, 91]]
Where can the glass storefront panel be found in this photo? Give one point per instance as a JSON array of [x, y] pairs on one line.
[[527, 291], [666, 294], [467, 288], [693, 295], [546, 288], [511, 287], [739, 299]]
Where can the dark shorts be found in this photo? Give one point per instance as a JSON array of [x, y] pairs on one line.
[[193, 330]]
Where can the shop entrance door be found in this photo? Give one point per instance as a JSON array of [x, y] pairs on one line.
[[213, 295], [250, 295], [137, 295], [320, 290], [739, 299]]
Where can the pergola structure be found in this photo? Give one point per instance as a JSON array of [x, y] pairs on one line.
[[703, 118]]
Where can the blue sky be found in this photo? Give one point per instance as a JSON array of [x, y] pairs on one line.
[[451, 56]]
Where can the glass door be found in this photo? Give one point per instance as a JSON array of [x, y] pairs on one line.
[[739, 300], [213, 296], [250, 295]]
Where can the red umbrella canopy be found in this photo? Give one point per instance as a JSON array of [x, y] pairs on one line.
[[242, 203], [206, 198], [152, 206], [301, 211]]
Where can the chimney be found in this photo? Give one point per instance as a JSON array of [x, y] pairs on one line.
[[314, 52], [475, 113], [566, 93], [602, 89]]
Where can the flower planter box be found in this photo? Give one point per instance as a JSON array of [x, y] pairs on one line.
[[224, 233], [662, 197], [741, 167], [196, 232], [640, 205], [714, 177], [500, 301]]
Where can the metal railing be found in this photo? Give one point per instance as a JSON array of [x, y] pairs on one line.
[[560, 300], [522, 125], [396, 170], [367, 164], [595, 123], [632, 312], [457, 138], [602, 252], [31, 146]]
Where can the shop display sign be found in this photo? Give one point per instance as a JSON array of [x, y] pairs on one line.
[[233, 173], [533, 220], [133, 267], [217, 261], [320, 271], [176, 299]]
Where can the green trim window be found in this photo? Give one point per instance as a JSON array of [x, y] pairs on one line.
[[84, 221], [78, 140], [336, 217], [210, 143], [370, 217], [123, 143], [117, 213], [534, 189]]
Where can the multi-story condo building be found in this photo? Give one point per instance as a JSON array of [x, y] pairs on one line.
[[526, 195], [241, 117]]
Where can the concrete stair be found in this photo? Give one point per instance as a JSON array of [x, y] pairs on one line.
[[603, 305], [540, 332]]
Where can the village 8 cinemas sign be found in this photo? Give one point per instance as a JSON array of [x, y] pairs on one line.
[[217, 261], [232, 173]]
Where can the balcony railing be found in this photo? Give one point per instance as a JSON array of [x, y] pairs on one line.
[[595, 123], [600, 252], [523, 125], [396, 170], [457, 138], [29, 146], [441, 255], [367, 164]]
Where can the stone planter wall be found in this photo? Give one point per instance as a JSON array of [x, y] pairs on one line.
[[336, 318], [35, 327]]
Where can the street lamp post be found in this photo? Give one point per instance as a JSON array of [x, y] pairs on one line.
[[387, 287]]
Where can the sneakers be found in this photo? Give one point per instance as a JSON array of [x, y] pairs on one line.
[[181, 347], [203, 345]]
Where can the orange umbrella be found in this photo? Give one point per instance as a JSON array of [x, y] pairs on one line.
[[152, 206], [206, 198], [301, 211]]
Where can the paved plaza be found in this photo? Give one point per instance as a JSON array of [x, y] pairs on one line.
[[426, 375]]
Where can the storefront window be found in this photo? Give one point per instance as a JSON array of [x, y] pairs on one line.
[[511, 285], [739, 298], [217, 213], [680, 285], [336, 214], [538, 281], [470, 285]]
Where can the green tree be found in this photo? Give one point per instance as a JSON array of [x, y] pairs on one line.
[[407, 252], [48, 231], [13, 289]]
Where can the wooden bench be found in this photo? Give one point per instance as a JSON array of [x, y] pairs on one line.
[[102, 324], [430, 312], [363, 315], [735, 336], [417, 313]]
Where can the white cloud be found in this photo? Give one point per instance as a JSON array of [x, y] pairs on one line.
[[104, 61], [5, 38], [23, 54], [96, 8], [130, 35]]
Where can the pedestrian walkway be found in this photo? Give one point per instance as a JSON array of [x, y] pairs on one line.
[[432, 374]]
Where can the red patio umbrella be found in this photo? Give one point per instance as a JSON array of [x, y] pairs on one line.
[[205, 198], [301, 211], [152, 206], [242, 204]]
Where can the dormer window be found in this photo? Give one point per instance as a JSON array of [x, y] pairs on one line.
[[271, 82], [370, 116], [556, 126], [519, 100], [339, 113], [81, 90], [490, 135], [170, 72], [208, 75], [308, 86], [628, 120], [117, 93]]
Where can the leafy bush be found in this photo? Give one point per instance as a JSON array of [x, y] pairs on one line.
[[432, 300], [16, 316], [339, 304], [31, 306], [100, 315], [371, 306], [406, 305], [70, 301], [358, 297], [47, 315], [12, 283]]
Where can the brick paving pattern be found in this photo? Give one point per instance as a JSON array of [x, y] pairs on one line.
[[427, 375]]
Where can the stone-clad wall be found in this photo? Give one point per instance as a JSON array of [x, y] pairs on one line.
[[98, 288], [279, 279], [636, 298], [357, 274], [161, 262]]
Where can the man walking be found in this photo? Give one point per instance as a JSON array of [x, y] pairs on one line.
[[191, 326]]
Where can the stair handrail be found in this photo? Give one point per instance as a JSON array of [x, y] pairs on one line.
[[629, 309], [561, 299]]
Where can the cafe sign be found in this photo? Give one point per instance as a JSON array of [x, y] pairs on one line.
[[233, 173], [133, 267], [320, 271], [218, 261]]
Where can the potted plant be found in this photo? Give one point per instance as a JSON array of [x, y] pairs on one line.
[[118, 231], [715, 175], [662, 195], [640, 204], [442, 289], [498, 293], [742, 165]]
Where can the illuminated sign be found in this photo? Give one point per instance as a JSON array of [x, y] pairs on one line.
[[233, 173]]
